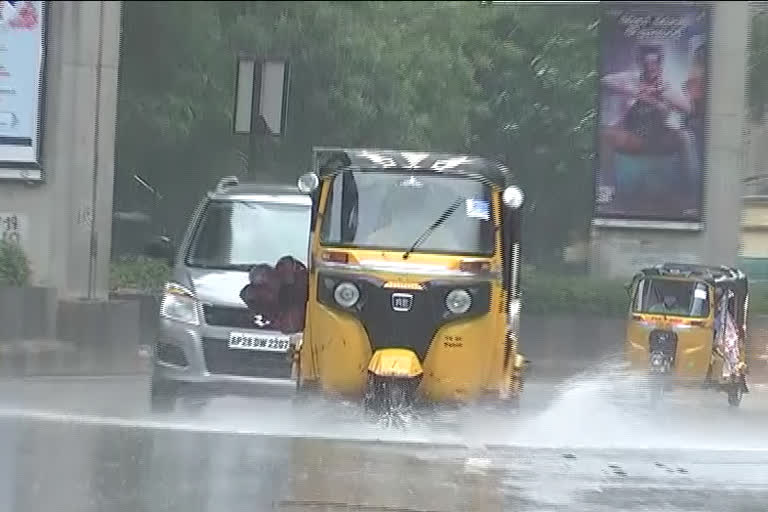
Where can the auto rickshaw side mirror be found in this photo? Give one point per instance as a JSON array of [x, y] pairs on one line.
[[628, 288], [308, 183], [513, 197]]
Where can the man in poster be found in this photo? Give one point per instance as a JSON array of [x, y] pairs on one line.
[[651, 115]]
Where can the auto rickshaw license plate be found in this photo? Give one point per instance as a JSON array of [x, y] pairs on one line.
[[267, 343]]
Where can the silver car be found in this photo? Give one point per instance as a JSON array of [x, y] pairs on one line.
[[207, 340]]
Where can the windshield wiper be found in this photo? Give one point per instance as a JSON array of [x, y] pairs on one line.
[[440, 220]]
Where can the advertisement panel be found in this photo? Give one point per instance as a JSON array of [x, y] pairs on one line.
[[22, 38], [652, 111]]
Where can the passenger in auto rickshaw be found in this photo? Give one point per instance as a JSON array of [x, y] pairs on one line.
[[669, 305]]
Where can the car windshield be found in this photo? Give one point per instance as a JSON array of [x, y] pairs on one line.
[[240, 234], [672, 297], [392, 210]]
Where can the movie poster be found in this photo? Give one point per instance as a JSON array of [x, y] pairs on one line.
[[652, 113], [21, 61]]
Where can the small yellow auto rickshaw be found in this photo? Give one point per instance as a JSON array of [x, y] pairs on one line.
[[414, 278], [687, 324]]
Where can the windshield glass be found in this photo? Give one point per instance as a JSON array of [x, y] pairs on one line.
[[391, 210], [672, 297], [240, 234]]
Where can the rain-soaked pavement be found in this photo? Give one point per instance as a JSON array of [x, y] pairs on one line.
[[588, 444]]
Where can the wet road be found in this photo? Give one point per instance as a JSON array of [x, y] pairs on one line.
[[588, 445]]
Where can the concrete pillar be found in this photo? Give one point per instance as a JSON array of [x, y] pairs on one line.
[[726, 151], [622, 248], [68, 216]]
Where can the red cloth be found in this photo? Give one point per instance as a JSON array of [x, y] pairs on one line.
[[262, 294], [278, 294], [293, 294]]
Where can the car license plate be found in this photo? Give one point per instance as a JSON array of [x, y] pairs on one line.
[[267, 343]]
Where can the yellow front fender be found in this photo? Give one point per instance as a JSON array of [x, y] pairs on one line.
[[395, 362]]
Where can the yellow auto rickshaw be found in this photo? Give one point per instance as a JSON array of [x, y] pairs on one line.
[[414, 278], [687, 324]]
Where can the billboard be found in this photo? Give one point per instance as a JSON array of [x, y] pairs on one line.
[[22, 46], [654, 71]]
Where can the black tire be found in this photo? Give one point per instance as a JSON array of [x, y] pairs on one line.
[[735, 394], [162, 395]]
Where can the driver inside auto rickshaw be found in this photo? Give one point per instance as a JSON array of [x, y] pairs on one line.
[[668, 305], [403, 209]]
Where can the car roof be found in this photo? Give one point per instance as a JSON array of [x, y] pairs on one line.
[[330, 161], [262, 192]]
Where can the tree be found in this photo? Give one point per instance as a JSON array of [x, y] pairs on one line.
[[517, 83], [537, 68]]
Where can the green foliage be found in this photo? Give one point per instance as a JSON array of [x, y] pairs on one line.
[[142, 274], [14, 266], [554, 294], [517, 83], [537, 69]]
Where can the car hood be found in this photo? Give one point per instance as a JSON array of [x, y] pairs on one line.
[[220, 287]]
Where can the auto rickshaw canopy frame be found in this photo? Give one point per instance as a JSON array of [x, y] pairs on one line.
[[722, 276], [332, 161]]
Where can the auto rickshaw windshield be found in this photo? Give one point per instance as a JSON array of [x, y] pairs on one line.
[[672, 297], [392, 210]]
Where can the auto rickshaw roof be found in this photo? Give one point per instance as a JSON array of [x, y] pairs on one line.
[[331, 161], [711, 274]]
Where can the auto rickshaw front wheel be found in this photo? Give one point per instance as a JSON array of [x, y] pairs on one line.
[[735, 390], [389, 394]]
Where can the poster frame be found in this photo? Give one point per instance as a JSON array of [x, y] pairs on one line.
[[626, 220], [33, 170]]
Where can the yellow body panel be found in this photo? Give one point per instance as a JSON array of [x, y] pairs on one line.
[[342, 351], [694, 344], [395, 362], [466, 357]]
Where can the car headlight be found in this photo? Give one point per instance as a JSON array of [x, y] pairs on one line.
[[458, 301], [179, 304], [346, 294]]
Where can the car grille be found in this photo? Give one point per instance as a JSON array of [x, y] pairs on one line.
[[222, 360], [228, 317]]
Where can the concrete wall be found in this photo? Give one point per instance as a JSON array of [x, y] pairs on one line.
[[68, 218], [619, 251]]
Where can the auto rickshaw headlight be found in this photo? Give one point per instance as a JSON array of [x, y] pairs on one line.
[[346, 294], [458, 301]]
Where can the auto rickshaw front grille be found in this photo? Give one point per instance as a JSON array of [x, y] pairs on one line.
[[388, 327], [664, 342]]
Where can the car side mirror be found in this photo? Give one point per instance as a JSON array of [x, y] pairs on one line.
[[161, 248]]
